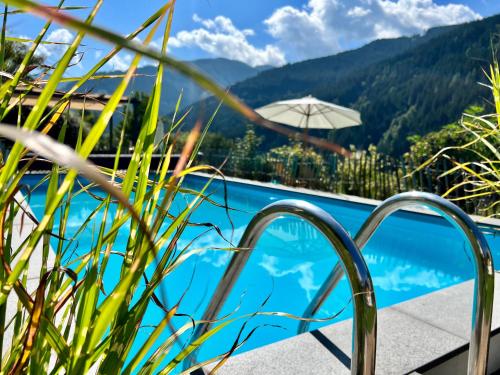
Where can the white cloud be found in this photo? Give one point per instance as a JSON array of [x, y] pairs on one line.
[[156, 44], [118, 62], [220, 37], [55, 51], [60, 35], [122, 61], [358, 11], [324, 27], [403, 278]]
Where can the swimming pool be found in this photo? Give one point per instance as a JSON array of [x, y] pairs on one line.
[[410, 255]]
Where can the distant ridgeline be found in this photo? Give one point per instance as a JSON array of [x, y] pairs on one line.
[[223, 71], [403, 86]]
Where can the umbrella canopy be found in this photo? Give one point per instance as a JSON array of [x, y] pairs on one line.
[[310, 113]]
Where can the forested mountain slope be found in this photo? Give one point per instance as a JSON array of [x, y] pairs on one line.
[[402, 86]]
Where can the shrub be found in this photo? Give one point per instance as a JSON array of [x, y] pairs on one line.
[[475, 155], [296, 164]]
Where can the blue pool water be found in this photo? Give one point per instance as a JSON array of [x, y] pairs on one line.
[[410, 255]]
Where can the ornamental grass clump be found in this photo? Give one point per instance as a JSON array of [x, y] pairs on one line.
[[70, 322], [479, 174]]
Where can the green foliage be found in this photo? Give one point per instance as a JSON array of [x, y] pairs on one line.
[[239, 158], [368, 173], [297, 164], [14, 55], [421, 147], [134, 117], [213, 143], [216, 142], [297, 151], [246, 158], [478, 138], [247, 147]]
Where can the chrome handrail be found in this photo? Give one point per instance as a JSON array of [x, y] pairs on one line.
[[484, 270], [365, 310]]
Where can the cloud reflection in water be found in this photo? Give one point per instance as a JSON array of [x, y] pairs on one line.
[[306, 281]]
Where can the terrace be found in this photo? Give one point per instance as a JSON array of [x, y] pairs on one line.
[[139, 239]]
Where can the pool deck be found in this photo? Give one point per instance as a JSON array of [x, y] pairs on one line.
[[410, 335]]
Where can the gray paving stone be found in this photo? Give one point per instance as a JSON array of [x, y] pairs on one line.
[[403, 343], [410, 335], [301, 354], [450, 309]]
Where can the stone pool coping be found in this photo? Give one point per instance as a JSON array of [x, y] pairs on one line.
[[344, 197], [411, 334]]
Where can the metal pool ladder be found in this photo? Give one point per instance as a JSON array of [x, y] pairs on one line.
[[484, 270], [365, 310]]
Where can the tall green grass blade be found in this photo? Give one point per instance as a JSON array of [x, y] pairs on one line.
[[2, 42], [22, 67], [91, 74], [36, 114]]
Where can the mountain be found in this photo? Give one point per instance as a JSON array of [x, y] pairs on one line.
[[403, 86], [223, 71]]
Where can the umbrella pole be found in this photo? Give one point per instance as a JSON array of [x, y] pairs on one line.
[[306, 129]]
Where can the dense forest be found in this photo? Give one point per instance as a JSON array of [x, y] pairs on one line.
[[402, 87]]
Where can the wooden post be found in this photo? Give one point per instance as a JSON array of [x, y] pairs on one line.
[[370, 177], [364, 175], [404, 171], [398, 180]]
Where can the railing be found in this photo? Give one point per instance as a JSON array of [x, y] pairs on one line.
[[367, 174], [365, 311], [484, 270]]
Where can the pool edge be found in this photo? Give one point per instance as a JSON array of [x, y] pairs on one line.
[[343, 197]]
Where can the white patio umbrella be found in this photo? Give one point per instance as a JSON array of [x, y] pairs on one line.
[[310, 113]]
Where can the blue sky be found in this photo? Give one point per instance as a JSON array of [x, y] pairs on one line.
[[271, 32]]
